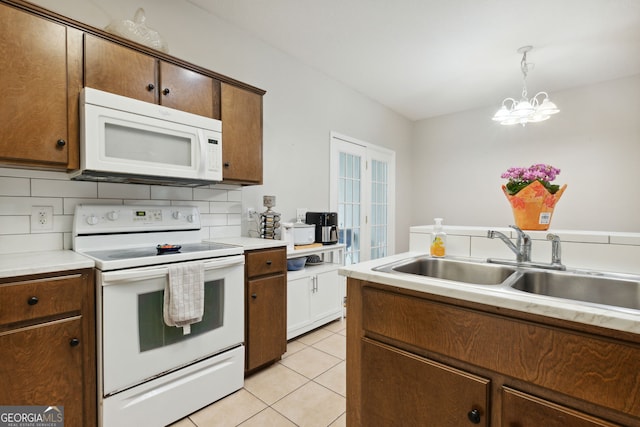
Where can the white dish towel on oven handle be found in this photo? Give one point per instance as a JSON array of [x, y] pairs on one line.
[[184, 295]]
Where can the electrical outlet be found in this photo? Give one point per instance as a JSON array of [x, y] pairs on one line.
[[301, 214], [251, 213], [41, 218]]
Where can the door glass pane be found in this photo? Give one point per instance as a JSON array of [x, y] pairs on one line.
[[154, 333], [379, 209], [349, 183]]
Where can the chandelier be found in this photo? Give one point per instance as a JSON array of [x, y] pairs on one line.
[[527, 110]]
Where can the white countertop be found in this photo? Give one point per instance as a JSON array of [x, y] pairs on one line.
[[558, 308], [22, 264], [250, 243]]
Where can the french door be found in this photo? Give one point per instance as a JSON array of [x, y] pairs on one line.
[[362, 192]]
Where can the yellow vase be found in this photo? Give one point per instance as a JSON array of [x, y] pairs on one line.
[[533, 206]]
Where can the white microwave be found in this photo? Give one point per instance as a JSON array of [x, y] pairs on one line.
[[126, 140]]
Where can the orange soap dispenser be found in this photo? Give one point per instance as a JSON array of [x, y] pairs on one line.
[[438, 239]]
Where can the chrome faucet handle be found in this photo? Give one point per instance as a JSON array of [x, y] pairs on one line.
[[555, 248]]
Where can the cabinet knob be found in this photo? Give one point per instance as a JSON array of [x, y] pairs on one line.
[[269, 262], [254, 296], [150, 87], [33, 300], [61, 143], [474, 416], [166, 91], [73, 342], [227, 164]]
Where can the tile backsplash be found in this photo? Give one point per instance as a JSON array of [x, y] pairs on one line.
[[20, 190]]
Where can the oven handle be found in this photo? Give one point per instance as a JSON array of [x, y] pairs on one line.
[[115, 277]]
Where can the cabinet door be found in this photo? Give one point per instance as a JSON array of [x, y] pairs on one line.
[[326, 299], [42, 365], [266, 320], [298, 308], [33, 77], [241, 113], [186, 90], [118, 69], [402, 389], [523, 410]]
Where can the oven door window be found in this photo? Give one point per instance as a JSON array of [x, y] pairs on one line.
[[154, 333]]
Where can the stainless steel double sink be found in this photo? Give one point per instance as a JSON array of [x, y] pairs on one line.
[[610, 290]]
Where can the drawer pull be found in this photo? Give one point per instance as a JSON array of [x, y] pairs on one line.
[[269, 262], [166, 91], [474, 416], [150, 87], [33, 301], [254, 296], [73, 342]]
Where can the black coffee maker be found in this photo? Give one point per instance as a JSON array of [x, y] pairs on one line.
[[326, 226]]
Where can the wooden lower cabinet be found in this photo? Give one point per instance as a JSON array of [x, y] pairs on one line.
[[419, 359], [524, 410], [47, 344], [402, 389], [265, 307], [265, 338], [45, 363]]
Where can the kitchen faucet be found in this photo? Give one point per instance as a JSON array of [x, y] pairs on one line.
[[522, 248]]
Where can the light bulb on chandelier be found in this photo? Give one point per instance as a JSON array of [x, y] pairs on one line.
[[527, 110]]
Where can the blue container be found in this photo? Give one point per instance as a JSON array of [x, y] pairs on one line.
[[295, 264]]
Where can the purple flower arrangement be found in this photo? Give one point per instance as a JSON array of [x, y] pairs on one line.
[[521, 177]]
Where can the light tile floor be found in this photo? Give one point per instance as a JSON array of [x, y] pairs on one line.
[[306, 388]]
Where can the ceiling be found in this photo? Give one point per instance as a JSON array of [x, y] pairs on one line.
[[425, 58]]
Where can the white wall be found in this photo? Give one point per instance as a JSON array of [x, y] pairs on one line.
[[594, 140], [301, 106]]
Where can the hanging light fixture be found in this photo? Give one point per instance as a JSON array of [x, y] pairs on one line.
[[536, 109]]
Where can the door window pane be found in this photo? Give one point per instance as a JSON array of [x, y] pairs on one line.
[[349, 204], [379, 207]]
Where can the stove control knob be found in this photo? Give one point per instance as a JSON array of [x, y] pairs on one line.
[[190, 218], [112, 216], [92, 220], [177, 215]]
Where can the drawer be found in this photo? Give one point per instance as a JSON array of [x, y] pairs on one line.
[[262, 262], [28, 300]]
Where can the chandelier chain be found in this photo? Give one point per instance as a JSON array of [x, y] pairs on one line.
[[525, 69]]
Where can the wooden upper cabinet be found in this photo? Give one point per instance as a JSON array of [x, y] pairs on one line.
[[118, 69], [241, 112], [148, 79], [40, 81], [186, 90]]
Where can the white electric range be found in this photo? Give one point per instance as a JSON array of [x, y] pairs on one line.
[[150, 373]]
